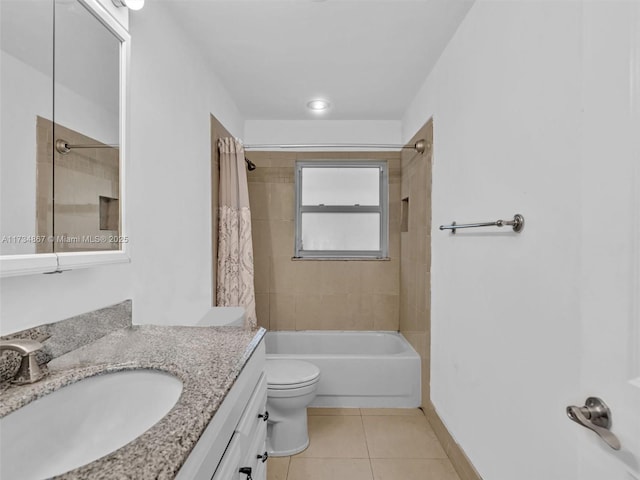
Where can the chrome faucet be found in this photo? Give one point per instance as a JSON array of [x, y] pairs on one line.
[[29, 371]]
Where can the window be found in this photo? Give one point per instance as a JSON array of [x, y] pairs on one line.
[[341, 209]]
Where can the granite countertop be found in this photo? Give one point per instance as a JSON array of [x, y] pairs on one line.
[[207, 360]]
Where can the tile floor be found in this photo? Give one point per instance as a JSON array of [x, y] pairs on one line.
[[366, 444]]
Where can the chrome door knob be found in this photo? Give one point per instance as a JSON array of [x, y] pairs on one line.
[[596, 416]]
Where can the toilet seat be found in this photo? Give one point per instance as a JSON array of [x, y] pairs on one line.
[[290, 374], [291, 392], [292, 386]]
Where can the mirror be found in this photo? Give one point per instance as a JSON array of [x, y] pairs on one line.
[[26, 82], [61, 155], [86, 213]]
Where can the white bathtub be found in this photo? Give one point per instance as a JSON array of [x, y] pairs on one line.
[[357, 369]]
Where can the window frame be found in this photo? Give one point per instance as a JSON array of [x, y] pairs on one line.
[[382, 209]]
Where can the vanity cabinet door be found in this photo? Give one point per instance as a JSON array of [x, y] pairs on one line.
[[252, 430], [229, 467]]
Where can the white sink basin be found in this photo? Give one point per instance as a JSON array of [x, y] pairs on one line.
[[82, 422]]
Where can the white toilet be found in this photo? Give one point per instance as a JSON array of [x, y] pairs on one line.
[[291, 387]]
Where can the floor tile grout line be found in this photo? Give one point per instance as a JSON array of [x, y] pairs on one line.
[[413, 458], [371, 469], [364, 458], [288, 468], [335, 458], [366, 442]]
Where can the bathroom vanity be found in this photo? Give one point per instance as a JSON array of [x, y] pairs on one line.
[[216, 428], [233, 444]]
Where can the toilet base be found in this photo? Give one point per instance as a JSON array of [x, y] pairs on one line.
[[286, 453], [288, 435]]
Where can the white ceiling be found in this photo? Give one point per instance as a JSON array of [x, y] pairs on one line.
[[367, 57]]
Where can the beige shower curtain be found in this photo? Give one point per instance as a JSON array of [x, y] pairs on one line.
[[235, 250]]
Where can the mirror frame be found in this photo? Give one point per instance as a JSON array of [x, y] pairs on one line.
[[14, 265]]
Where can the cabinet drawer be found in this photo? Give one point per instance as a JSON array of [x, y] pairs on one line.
[[254, 413], [256, 448], [238, 456]]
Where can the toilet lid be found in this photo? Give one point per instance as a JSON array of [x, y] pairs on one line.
[[291, 372]]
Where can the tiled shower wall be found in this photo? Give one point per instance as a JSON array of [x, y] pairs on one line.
[[317, 294], [415, 257], [82, 176]]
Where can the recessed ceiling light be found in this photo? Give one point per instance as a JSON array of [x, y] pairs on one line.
[[318, 105]]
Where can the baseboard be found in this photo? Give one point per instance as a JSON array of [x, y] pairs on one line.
[[460, 461]]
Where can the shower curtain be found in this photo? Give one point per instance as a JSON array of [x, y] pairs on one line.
[[235, 250]]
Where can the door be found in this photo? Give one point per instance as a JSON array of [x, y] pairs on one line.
[[610, 246]]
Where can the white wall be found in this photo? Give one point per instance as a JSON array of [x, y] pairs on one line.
[[505, 98], [322, 131], [173, 92], [507, 102], [168, 194]]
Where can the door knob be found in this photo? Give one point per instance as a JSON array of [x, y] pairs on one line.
[[596, 416]]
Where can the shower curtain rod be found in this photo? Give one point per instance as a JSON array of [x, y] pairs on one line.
[[420, 146], [62, 146]]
